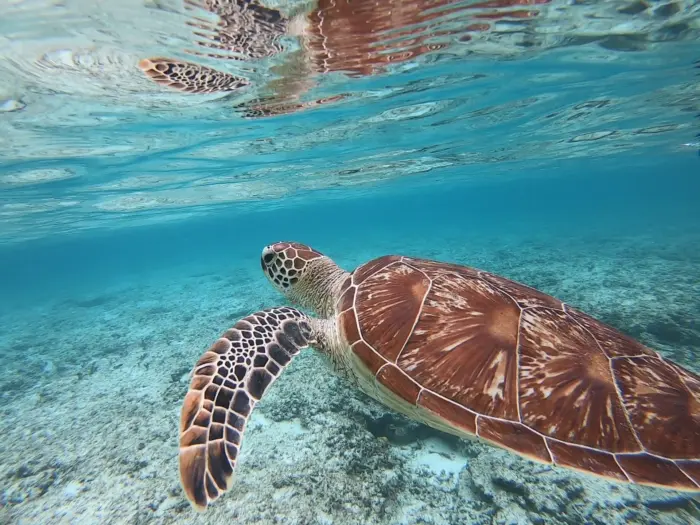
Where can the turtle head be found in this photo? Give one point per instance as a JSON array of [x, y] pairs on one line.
[[286, 263], [303, 275]]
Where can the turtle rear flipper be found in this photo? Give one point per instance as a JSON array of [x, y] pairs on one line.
[[228, 380]]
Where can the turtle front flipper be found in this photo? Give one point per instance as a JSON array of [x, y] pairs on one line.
[[228, 380], [189, 77]]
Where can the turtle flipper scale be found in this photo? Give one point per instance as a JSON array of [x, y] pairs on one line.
[[189, 77], [227, 382]]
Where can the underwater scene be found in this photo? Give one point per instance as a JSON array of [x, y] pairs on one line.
[[350, 262]]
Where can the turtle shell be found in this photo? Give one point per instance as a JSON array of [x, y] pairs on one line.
[[485, 356]]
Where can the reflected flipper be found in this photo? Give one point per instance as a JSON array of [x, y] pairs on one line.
[[190, 77], [228, 380]]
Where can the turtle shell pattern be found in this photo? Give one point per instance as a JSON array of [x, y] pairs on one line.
[[496, 359]]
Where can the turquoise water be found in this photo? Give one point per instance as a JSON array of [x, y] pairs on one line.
[[561, 152]]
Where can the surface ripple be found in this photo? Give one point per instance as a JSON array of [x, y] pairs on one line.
[[401, 90]]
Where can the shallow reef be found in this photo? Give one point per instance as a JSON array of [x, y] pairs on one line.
[[92, 387]]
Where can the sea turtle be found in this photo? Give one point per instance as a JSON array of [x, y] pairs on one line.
[[461, 350]]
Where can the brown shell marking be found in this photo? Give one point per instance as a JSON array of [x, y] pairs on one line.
[[557, 378], [524, 371], [398, 288], [464, 346]]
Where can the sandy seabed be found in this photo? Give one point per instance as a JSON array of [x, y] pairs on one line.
[[92, 387]]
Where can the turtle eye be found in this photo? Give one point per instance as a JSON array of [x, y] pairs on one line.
[[266, 260]]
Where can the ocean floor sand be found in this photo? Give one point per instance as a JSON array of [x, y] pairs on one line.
[[92, 387]]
